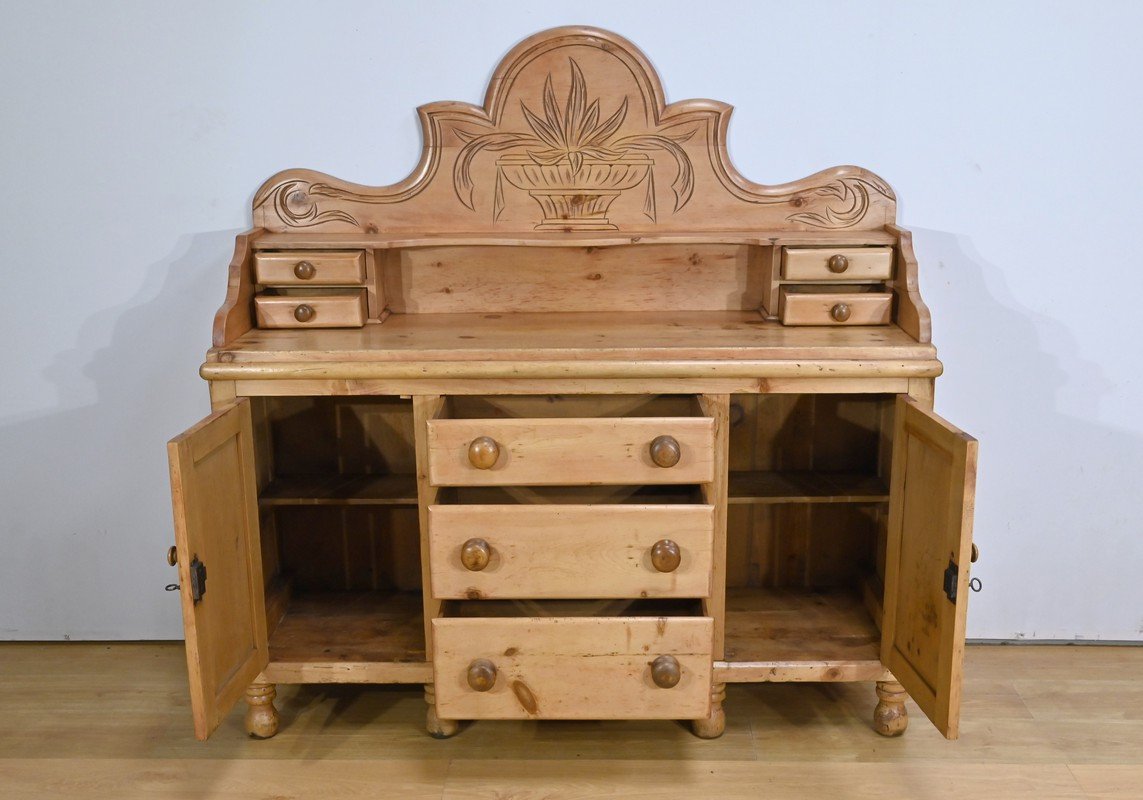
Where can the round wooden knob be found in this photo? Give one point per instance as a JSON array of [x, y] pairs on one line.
[[481, 675], [304, 270], [840, 312], [838, 263], [973, 558], [665, 451], [483, 452], [665, 555], [173, 555], [304, 313], [474, 554], [666, 672]]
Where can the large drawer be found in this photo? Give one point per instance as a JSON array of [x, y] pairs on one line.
[[340, 310], [303, 268], [837, 264], [572, 667], [570, 551], [546, 452]]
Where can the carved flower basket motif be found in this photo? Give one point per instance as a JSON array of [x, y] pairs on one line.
[[576, 200], [574, 163]]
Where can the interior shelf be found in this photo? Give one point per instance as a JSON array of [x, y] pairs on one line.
[[371, 626], [341, 490], [776, 625], [806, 487]]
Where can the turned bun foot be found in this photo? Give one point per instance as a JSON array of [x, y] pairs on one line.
[[438, 728], [712, 727], [261, 716], [890, 717]]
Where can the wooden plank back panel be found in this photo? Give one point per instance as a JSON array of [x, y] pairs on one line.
[[573, 668], [796, 544], [571, 551], [693, 277]]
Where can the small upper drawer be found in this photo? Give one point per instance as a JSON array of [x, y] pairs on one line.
[[837, 264], [833, 305], [334, 310], [570, 551], [572, 452], [301, 268]]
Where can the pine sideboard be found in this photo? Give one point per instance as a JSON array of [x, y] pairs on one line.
[[574, 422]]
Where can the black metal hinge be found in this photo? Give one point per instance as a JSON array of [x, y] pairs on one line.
[[197, 579]]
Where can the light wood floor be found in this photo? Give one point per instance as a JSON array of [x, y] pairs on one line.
[[111, 721]]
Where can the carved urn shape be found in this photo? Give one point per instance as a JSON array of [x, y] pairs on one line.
[[575, 200]]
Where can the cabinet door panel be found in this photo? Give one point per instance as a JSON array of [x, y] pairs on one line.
[[215, 501], [930, 530]]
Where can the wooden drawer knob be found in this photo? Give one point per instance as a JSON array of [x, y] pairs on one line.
[[840, 312], [973, 558], [481, 675], [483, 452], [665, 451], [838, 263], [475, 554], [304, 270], [666, 672], [304, 313], [665, 555]]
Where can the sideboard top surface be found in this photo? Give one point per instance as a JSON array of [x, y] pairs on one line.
[[674, 336]]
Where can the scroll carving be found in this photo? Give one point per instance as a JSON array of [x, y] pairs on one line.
[[575, 135]]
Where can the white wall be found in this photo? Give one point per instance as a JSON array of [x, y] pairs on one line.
[[133, 135]]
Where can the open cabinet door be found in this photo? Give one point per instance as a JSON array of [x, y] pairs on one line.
[[927, 560], [215, 500]]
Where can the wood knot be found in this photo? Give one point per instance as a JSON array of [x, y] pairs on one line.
[[525, 696]]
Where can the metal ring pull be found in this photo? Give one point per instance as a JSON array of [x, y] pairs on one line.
[[975, 584], [171, 587]]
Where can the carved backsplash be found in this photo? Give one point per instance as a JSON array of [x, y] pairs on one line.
[[574, 135]]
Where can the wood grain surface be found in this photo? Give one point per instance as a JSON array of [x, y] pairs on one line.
[[110, 722]]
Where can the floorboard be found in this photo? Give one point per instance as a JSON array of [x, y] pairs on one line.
[[112, 721]]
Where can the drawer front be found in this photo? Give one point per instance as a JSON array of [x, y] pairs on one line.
[[318, 311], [310, 269], [837, 264], [570, 551], [571, 667], [547, 452], [836, 308]]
